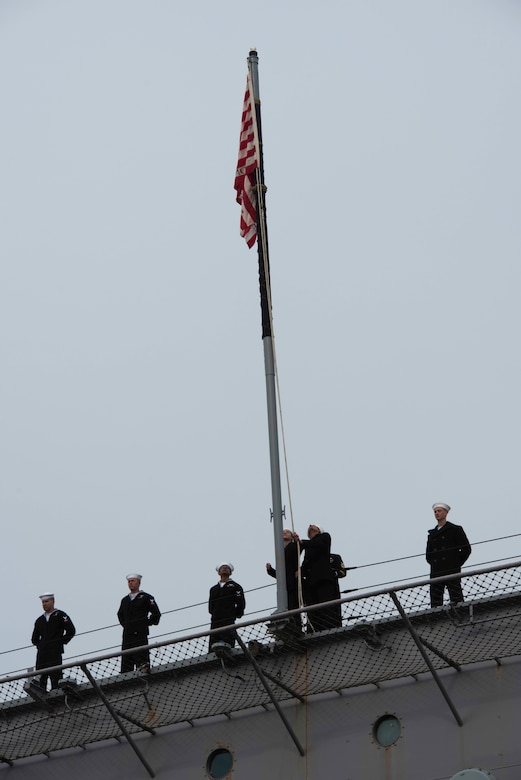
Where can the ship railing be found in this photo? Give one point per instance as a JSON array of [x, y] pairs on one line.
[[364, 638]]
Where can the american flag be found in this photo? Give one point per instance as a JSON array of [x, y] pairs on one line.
[[246, 166]]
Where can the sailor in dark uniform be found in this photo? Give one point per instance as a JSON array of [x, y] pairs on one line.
[[447, 550], [52, 631], [225, 605], [319, 581], [291, 565], [136, 613]]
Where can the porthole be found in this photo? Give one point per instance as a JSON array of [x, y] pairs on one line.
[[219, 764], [387, 730]]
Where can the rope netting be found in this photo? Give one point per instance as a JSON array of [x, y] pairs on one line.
[[373, 644]]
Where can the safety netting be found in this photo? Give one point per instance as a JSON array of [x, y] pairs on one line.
[[365, 639]]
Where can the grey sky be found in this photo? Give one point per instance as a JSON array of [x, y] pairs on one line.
[[133, 413]]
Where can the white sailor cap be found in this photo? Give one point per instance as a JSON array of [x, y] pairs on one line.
[[439, 505], [134, 577], [46, 596], [224, 563]]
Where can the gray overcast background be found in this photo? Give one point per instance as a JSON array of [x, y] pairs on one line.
[[133, 414]]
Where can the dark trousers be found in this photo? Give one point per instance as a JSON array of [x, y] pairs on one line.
[[43, 661], [134, 660], [296, 620], [328, 617], [437, 588], [225, 636]]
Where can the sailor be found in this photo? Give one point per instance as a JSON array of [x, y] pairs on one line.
[[291, 565], [137, 611], [225, 604], [52, 631], [447, 550], [319, 581]]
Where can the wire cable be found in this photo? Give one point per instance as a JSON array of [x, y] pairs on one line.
[[271, 585]]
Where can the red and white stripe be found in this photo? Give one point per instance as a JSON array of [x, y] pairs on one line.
[[247, 164]]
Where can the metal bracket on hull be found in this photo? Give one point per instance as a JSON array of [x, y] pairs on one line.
[[38, 694], [262, 677], [135, 721], [419, 645], [439, 653], [118, 719], [284, 687]]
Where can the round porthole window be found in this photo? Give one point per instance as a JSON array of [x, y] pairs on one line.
[[387, 730], [219, 764]]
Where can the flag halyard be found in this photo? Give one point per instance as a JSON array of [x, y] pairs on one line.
[[247, 166]]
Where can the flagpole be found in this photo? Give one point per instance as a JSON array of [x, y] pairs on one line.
[[267, 340]]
